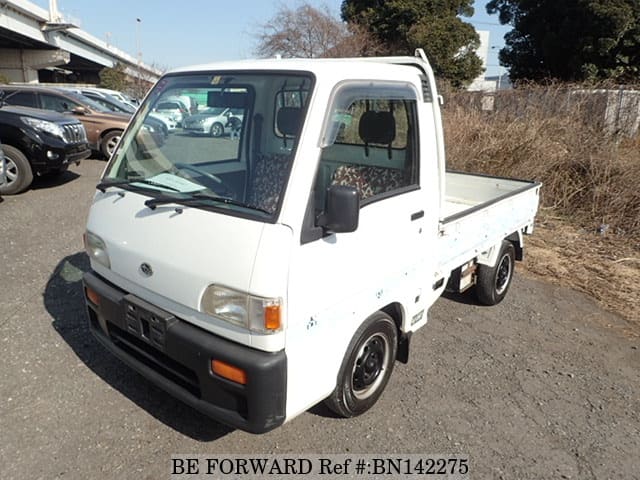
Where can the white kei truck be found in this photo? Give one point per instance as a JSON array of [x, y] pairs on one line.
[[254, 275]]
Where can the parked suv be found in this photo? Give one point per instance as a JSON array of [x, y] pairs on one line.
[[37, 142], [104, 127]]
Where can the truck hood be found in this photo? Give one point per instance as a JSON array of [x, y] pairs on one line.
[[186, 252]]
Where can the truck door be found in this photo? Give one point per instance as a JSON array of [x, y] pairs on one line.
[[370, 142]]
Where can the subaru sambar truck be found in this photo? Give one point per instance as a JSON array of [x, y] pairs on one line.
[[254, 276]]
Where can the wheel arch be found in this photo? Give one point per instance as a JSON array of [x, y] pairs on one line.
[[17, 138], [397, 314], [109, 130], [517, 239]]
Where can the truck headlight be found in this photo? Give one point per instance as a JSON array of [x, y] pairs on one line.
[[44, 126], [258, 314], [96, 249]]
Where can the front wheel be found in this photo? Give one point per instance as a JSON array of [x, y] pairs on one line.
[[366, 368], [493, 282], [109, 143], [18, 173], [217, 130]]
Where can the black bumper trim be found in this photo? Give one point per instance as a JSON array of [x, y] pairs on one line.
[[182, 367]]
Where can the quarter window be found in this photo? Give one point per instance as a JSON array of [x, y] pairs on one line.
[[25, 99], [289, 103]]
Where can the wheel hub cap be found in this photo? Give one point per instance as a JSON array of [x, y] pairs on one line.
[[369, 364], [504, 273]]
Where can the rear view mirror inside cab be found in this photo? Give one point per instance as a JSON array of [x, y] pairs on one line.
[[228, 99]]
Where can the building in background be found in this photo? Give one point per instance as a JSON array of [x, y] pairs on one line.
[[484, 83]]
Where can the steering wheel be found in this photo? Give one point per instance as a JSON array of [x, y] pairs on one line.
[[218, 186]]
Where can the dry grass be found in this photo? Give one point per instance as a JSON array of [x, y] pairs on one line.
[[539, 135], [591, 182], [604, 266]]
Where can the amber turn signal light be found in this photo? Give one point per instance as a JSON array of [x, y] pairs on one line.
[[92, 296], [229, 372], [272, 317]]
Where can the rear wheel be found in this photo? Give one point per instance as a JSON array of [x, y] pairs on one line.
[[18, 172], [109, 142], [494, 282], [366, 368]]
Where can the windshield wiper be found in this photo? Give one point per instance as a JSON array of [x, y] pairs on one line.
[[152, 203], [103, 185]]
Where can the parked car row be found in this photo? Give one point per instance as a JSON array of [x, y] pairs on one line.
[[104, 127], [37, 142], [209, 121], [45, 129]]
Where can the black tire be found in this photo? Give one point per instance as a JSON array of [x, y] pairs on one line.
[[366, 368], [109, 142], [216, 130], [493, 282], [19, 174]]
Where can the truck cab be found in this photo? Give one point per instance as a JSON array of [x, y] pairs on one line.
[[256, 275]]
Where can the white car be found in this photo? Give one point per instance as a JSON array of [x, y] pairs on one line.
[[173, 110], [215, 121], [168, 122], [116, 94]]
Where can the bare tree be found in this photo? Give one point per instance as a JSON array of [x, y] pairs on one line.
[[310, 32], [143, 81]]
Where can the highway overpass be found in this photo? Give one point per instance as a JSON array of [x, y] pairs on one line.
[[38, 45]]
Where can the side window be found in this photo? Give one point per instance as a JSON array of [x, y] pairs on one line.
[[58, 104], [370, 142], [24, 99], [168, 106], [289, 104]]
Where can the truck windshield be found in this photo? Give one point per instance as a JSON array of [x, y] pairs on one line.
[[225, 141]]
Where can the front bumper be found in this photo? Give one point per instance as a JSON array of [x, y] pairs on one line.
[[195, 128], [176, 356], [47, 157]]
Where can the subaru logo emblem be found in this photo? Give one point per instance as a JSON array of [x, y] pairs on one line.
[[146, 269]]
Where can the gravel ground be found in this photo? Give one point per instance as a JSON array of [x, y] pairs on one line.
[[545, 385]]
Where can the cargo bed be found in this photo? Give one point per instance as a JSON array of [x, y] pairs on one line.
[[478, 211]]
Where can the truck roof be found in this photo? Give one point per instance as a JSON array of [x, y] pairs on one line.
[[386, 68]]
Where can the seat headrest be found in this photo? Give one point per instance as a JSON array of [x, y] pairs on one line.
[[377, 127], [288, 120]]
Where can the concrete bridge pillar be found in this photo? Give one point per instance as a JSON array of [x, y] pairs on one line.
[[22, 65]]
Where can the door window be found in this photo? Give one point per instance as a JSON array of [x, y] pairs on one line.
[[370, 142], [56, 103]]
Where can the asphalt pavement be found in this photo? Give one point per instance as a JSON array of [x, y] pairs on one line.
[[544, 385]]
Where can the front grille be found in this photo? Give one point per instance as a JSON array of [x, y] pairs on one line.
[[74, 133], [156, 360]]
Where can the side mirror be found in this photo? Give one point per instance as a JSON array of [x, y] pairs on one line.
[[342, 210], [79, 111]]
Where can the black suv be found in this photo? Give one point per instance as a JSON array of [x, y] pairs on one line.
[[37, 142]]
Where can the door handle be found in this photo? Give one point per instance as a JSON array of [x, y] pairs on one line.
[[417, 215]]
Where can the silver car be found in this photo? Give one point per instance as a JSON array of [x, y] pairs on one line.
[[215, 121], [173, 110]]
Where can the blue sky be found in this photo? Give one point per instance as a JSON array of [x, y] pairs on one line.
[[174, 34]]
